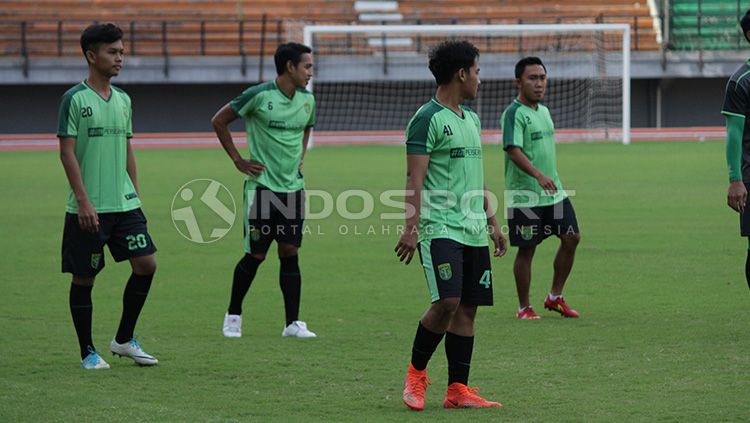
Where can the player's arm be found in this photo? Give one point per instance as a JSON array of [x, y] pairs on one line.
[[130, 167], [517, 156], [416, 168], [305, 141], [220, 122], [495, 234], [87, 217], [306, 137], [734, 111], [736, 193]]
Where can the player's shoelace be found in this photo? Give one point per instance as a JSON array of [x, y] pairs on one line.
[[137, 348], [418, 384], [473, 392], [93, 358], [470, 393], [136, 345]]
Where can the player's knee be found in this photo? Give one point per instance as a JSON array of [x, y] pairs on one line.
[[525, 253], [83, 281], [447, 306], [467, 312], [571, 240], [256, 256], [144, 265], [287, 250]]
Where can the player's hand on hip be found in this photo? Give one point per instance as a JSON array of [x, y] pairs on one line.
[[406, 246], [250, 167], [547, 184], [737, 196], [88, 220]]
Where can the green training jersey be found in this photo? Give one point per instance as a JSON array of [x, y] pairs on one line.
[[533, 131], [737, 103], [452, 204], [101, 129], [275, 127]]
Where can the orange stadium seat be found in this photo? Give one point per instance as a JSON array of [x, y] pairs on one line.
[[211, 27], [633, 12]]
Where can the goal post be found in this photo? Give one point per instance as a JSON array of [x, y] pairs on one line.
[[374, 77]]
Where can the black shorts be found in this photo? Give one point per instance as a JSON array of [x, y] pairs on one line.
[[125, 233], [272, 216], [455, 270], [529, 226], [745, 218]]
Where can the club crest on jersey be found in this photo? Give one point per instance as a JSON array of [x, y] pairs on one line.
[[96, 258], [125, 112], [445, 272], [527, 232], [307, 107]]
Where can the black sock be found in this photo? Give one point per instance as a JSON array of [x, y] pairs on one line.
[[81, 309], [290, 282], [424, 345], [244, 273], [458, 349], [747, 269], [133, 299]]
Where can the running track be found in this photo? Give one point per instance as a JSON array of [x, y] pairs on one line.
[[15, 142]]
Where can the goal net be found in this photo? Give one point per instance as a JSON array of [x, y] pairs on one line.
[[372, 78]]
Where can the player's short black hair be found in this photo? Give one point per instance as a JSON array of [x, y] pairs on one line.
[[97, 34], [449, 56], [745, 24], [289, 51], [526, 61]]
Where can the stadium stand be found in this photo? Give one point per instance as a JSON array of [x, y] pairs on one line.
[[705, 25], [46, 28], [183, 27]]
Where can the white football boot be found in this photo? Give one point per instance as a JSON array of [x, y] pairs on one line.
[[298, 329], [94, 361], [132, 349], [232, 325]]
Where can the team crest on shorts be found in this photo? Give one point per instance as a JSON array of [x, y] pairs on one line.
[[96, 258], [445, 272], [527, 232], [255, 235]]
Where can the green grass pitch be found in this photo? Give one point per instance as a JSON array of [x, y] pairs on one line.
[[658, 281]]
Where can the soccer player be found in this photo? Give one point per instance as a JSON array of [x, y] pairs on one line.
[[278, 117], [537, 204], [735, 110], [449, 222], [95, 127]]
